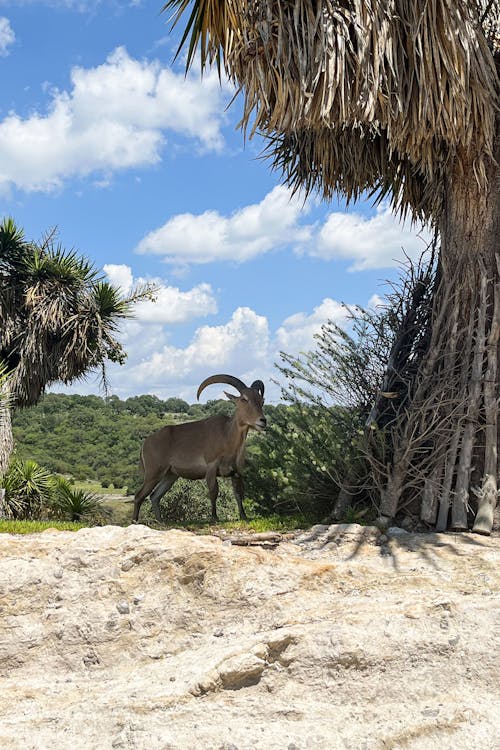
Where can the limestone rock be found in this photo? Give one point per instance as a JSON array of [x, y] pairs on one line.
[[133, 638]]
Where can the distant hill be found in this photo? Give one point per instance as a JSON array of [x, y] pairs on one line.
[[89, 437]]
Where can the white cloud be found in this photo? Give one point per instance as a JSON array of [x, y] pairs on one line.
[[115, 116], [375, 242], [297, 332], [120, 275], [243, 346], [171, 305], [7, 36], [278, 221], [240, 347], [245, 234]]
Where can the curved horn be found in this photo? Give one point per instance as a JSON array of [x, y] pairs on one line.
[[259, 386], [228, 379]]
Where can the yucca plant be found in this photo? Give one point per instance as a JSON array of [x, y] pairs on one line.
[[58, 319], [28, 489], [72, 504], [395, 98]]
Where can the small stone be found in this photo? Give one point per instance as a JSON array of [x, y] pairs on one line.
[[226, 543], [396, 531], [454, 640], [91, 659], [138, 599], [172, 679], [430, 712], [58, 573], [123, 608], [218, 633]]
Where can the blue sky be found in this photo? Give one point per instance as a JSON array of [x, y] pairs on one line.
[[142, 170]]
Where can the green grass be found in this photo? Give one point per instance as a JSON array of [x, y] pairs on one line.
[[120, 511], [260, 523], [98, 489], [281, 524], [33, 527]]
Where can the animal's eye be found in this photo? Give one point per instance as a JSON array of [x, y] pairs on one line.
[[244, 398]]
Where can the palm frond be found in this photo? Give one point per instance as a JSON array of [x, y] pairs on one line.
[[11, 242], [59, 265], [414, 78], [209, 24], [58, 316]]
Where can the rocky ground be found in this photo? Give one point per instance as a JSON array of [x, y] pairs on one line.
[[341, 638]]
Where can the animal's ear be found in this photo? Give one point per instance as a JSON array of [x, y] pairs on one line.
[[231, 396], [259, 387]]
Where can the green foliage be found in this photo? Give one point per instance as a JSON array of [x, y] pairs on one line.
[[58, 317], [32, 492], [298, 464], [71, 504], [28, 489], [272, 522], [188, 501], [318, 441], [34, 527]]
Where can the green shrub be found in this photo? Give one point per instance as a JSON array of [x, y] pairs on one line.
[[188, 502], [72, 504], [28, 489]]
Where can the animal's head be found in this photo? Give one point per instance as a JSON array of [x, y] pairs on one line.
[[249, 403]]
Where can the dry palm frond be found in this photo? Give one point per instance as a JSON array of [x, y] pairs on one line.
[[413, 78]]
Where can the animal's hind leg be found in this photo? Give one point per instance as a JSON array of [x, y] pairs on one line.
[[239, 493], [213, 491], [161, 488], [142, 494]]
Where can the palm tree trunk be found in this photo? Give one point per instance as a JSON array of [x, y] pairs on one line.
[[451, 419], [6, 438], [471, 234]]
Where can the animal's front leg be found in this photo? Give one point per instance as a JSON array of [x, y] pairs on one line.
[[213, 490], [158, 492], [239, 493]]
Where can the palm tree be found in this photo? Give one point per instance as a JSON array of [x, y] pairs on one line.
[[397, 98], [58, 320]]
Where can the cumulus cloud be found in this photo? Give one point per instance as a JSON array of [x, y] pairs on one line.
[[278, 221], [171, 305], [115, 116], [244, 346], [245, 234], [7, 36], [240, 346], [375, 242], [297, 332]]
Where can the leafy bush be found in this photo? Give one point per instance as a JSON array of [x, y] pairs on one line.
[[317, 443], [32, 492], [28, 489], [72, 504], [188, 502]]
